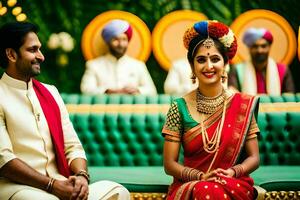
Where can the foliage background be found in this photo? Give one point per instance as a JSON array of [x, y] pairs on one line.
[[72, 16]]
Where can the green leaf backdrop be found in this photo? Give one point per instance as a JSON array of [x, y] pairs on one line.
[[72, 16]]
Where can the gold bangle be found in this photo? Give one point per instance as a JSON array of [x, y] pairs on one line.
[[50, 185], [238, 170], [190, 174]]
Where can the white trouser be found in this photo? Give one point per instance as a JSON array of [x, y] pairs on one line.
[[101, 190]]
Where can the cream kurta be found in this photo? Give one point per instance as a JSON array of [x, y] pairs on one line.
[[178, 81], [25, 134], [106, 72]]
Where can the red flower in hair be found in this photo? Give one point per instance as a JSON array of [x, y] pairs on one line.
[[217, 30], [232, 50]]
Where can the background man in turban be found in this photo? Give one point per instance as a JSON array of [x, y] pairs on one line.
[[116, 72], [178, 81], [261, 74]]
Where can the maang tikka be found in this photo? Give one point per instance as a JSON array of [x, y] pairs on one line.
[[208, 43]]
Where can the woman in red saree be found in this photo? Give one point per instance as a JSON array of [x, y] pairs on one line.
[[216, 127]]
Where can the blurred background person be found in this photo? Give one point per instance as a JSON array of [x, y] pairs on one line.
[[180, 80], [116, 72], [261, 74]]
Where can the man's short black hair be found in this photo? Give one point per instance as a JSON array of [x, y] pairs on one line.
[[12, 36]]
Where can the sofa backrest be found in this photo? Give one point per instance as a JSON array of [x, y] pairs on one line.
[[279, 141], [134, 139], [157, 99], [126, 139], [117, 99]]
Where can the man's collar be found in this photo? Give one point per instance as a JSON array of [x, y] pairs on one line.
[[12, 82], [113, 58]]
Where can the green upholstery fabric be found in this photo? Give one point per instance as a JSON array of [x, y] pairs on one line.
[[132, 139], [121, 139], [282, 98], [278, 178], [135, 179], [117, 99], [279, 141], [158, 99]]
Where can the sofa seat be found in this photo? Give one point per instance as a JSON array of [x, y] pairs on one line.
[[153, 178], [278, 178], [135, 179]]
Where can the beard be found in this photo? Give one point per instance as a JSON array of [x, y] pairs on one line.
[[118, 51], [29, 69], [260, 58]]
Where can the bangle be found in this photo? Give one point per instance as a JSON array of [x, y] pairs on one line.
[[238, 170], [50, 185], [85, 174], [190, 174]]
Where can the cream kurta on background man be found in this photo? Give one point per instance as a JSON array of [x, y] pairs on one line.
[[108, 72], [116, 72]]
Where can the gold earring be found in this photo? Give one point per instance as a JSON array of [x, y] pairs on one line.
[[193, 77], [224, 76]]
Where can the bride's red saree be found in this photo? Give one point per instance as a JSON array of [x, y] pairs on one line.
[[239, 125]]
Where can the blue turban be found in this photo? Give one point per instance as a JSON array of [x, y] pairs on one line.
[[253, 34], [115, 28]]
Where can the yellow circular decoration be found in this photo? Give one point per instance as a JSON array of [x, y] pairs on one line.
[[167, 36], [21, 17], [11, 3], [3, 10], [299, 43], [283, 48], [16, 10], [93, 45]]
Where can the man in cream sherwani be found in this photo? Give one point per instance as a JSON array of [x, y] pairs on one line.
[[116, 72], [41, 156]]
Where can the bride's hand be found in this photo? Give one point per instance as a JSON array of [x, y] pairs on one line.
[[228, 172]]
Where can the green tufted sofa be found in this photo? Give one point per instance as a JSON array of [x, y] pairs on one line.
[[123, 143], [158, 99]]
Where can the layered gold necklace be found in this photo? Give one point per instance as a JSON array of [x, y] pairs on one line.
[[212, 144], [208, 105]]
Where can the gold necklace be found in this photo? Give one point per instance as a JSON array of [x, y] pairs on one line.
[[208, 105], [212, 145]]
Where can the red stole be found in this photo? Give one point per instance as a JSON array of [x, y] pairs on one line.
[[261, 82], [52, 114]]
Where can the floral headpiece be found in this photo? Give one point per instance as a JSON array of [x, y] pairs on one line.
[[204, 30]]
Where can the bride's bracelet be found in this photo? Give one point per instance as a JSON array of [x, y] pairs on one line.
[[238, 170], [190, 174]]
